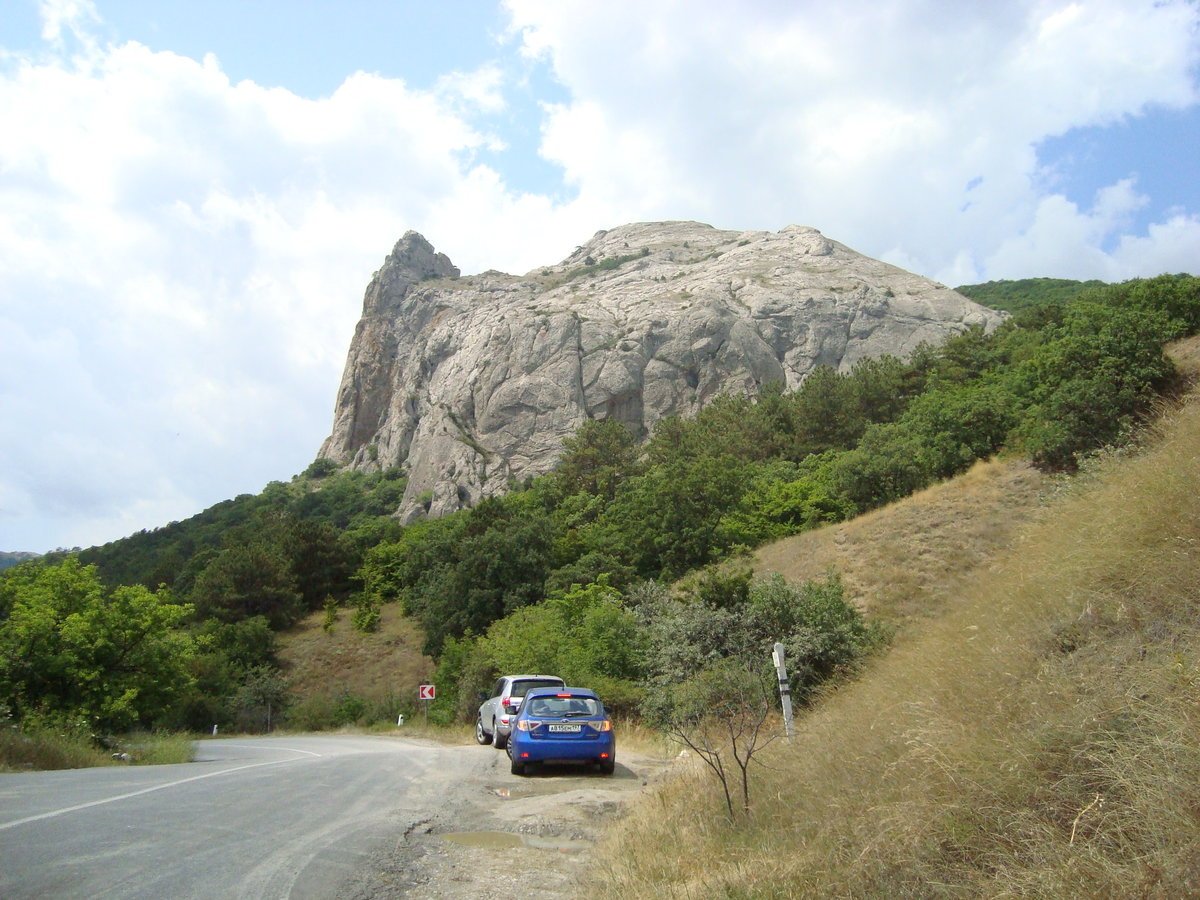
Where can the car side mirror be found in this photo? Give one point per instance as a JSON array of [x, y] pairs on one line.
[[510, 708], [482, 696]]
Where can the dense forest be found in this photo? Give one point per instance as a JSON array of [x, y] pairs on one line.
[[1026, 293], [607, 569]]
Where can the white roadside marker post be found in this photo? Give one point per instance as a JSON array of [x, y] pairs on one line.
[[785, 691]]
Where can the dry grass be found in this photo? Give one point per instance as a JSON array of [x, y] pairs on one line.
[[30, 749], [1039, 736], [908, 560], [45, 748], [385, 663], [1186, 355]]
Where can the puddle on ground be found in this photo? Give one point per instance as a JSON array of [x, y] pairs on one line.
[[485, 840], [506, 840], [543, 788]]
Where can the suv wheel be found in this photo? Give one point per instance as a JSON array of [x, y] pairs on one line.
[[499, 741], [481, 736]]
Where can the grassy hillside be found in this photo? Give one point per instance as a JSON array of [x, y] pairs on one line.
[[1025, 293], [376, 672], [1038, 737], [912, 557]]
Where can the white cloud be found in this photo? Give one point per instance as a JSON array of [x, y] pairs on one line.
[[74, 16], [181, 262], [906, 129], [182, 256], [481, 89], [1065, 241]]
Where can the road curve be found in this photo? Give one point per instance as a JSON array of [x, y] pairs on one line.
[[250, 818]]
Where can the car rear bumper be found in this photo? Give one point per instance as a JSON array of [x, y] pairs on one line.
[[526, 749]]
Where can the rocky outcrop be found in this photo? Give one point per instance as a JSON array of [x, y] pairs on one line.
[[471, 382]]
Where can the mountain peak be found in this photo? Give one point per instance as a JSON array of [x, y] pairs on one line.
[[470, 382]]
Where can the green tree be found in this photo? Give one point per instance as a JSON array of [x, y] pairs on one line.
[[889, 462], [782, 498], [665, 521], [245, 580], [597, 458], [70, 651], [1093, 379], [583, 634], [260, 699]]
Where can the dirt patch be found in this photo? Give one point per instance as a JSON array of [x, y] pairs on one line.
[[497, 833]]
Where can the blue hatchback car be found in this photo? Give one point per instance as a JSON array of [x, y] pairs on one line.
[[562, 725]]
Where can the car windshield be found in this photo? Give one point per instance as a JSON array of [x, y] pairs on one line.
[[519, 688], [548, 707]]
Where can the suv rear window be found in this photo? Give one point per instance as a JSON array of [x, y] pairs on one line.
[[564, 706], [520, 687]]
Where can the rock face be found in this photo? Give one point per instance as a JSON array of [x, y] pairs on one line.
[[473, 381]]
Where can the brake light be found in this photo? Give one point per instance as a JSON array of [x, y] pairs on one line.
[[602, 725], [527, 725], [568, 696]]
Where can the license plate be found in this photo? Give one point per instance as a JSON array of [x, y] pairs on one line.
[[571, 729]]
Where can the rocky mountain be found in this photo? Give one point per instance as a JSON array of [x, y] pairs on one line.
[[8, 559], [473, 381]]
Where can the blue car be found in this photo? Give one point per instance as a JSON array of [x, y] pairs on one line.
[[562, 725]]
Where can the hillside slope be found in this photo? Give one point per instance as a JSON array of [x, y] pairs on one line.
[[346, 667], [913, 556], [1038, 737]]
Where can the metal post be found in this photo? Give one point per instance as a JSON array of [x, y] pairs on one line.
[[785, 691]]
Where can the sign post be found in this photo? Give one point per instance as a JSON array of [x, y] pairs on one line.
[[426, 693], [785, 691]]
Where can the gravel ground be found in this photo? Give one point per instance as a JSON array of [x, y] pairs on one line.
[[486, 832]]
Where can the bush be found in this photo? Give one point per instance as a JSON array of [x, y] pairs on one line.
[[320, 468]]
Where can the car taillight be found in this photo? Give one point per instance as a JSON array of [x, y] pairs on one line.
[[527, 725], [602, 725]]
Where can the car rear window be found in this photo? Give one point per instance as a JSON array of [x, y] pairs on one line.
[[520, 687], [564, 706]]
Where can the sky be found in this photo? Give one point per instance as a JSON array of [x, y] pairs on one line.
[[193, 197]]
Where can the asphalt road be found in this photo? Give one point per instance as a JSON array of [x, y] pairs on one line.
[[250, 818]]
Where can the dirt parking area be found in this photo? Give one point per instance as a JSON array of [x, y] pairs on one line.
[[487, 832]]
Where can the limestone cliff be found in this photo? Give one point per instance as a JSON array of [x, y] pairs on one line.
[[473, 381]]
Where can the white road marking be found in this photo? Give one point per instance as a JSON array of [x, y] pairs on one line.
[[260, 747], [149, 790]]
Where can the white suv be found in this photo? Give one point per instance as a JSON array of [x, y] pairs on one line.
[[494, 724]]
